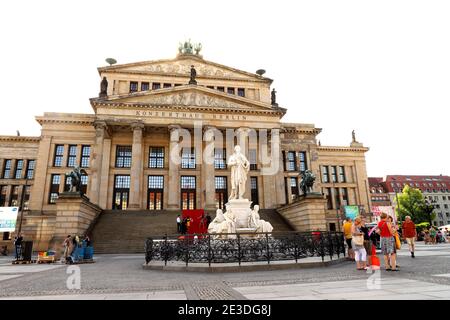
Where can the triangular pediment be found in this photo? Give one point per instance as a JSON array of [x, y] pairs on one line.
[[182, 66], [189, 96]]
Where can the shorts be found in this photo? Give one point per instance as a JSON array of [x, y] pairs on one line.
[[411, 241], [387, 245], [360, 254], [349, 243]]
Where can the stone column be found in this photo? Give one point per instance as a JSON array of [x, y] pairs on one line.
[[208, 173], [40, 175], [287, 185], [174, 173], [279, 179], [96, 161], [137, 169], [104, 176]]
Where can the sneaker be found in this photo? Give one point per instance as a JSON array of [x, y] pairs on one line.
[[412, 255]]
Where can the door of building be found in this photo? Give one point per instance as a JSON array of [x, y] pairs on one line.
[[188, 194], [121, 192]]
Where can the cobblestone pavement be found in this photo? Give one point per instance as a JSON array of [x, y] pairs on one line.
[[122, 277]]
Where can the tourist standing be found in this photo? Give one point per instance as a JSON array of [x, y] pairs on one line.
[[367, 240], [348, 237], [358, 245], [387, 243], [409, 233], [184, 226], [179, 224], [433, 235], [66, 245], [18, 240]]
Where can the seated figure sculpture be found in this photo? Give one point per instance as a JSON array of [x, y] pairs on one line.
[[256, 222], [223, 223]]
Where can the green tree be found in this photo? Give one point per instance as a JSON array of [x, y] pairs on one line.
[[411, 202]]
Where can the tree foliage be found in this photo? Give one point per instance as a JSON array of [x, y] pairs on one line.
[[411, 202]]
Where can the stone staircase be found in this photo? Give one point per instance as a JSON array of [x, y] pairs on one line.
[[126, 231]]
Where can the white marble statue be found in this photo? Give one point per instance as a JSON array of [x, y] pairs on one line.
[[222, 223], [256, 222], [239, 169]]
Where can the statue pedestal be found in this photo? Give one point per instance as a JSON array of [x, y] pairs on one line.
[[306, 214], [246, 232], [241, 211]]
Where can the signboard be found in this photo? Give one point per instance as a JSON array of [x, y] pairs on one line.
[[351, 212], [8, 218], [389, 210]]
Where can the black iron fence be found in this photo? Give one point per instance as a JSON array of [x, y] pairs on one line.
[[244, 247]]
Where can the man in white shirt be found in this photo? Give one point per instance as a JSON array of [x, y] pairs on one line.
[[178, 224]]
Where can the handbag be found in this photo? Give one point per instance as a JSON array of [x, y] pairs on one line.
[[358, 240], [398, 244]]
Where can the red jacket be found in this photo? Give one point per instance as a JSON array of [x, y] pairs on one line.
[[408, 229]]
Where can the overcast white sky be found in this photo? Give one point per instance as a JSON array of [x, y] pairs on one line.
[[379, 67]]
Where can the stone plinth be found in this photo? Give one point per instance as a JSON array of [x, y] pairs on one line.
[[74, 215], [241, 210], [307, 213]]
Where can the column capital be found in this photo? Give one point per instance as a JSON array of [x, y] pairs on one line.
[[99, 124], [174, 132], [137, 125]]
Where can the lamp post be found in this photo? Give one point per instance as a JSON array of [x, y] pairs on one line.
[[22, 198]]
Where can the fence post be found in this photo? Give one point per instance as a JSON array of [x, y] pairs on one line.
[[330, 245], [165, 250], [267, 248], [322, 247], [209, 250], [296, 247], [239, 249], [186, 239]]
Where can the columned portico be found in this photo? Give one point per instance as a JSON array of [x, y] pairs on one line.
[[137, 168]]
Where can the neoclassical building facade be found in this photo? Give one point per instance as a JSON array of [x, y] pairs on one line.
[[137, 156]]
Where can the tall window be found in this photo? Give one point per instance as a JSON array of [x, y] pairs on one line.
[[19, 169], [84, 183], [303, 163], [85, 156], [342, 174], [334, 174], [26, 197], [188, 193], [188, 158], [145, 86], [54, 188], [133, 86], [121, 192], [123, 156], [14, 199], [290, 165], [325, 174], [7, 169], [3, 191], [72, 158], [241, 92], [344, 196], [30, 169], [254, 190], [155, 192], [337, 198], [220, 159], [156, 158], [327, 193], [59, 153], [294, 187], [221, 192], [253, 159]]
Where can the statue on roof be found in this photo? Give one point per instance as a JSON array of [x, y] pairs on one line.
[[353, 136], [274, 97], [193, 75], [188, 47], [103, 88]]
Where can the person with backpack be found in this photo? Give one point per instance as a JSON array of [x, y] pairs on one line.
[[387, 242]]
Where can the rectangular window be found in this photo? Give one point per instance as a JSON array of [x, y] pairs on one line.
[[210, 87], [54, 188], [221, 192], [72, 158], [188, 192], [133, 86], [291, 165], [156, 158], [19, 169], [327, 193], [121, 192], [85, 156], [188, 158], [59, 153], [303, 163], [145, 86], [241, 92], [167, 85], [252, 155], [222, 89], [337, 199], [332, 226], [14, 198], [325, 174], [220, 159], [7, 169], [230, 90], [26, 197], [344, 197], [156, 86], [334, 174], [3, 191], [123, 156], [254, 190], [30, 169], [155, 192], [342, 174], [294, 187]]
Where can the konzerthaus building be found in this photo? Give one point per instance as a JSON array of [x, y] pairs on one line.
[[124, 145]]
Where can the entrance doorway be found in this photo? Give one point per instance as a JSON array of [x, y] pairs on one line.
[[121, 192], [188, 193]]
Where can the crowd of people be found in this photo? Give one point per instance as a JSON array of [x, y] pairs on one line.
[[72, 242], [184, 224], [433, 236]]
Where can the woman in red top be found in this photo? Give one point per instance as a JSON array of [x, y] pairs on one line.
[[387, 242]]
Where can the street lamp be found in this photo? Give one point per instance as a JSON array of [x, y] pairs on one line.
[[22, 198]]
